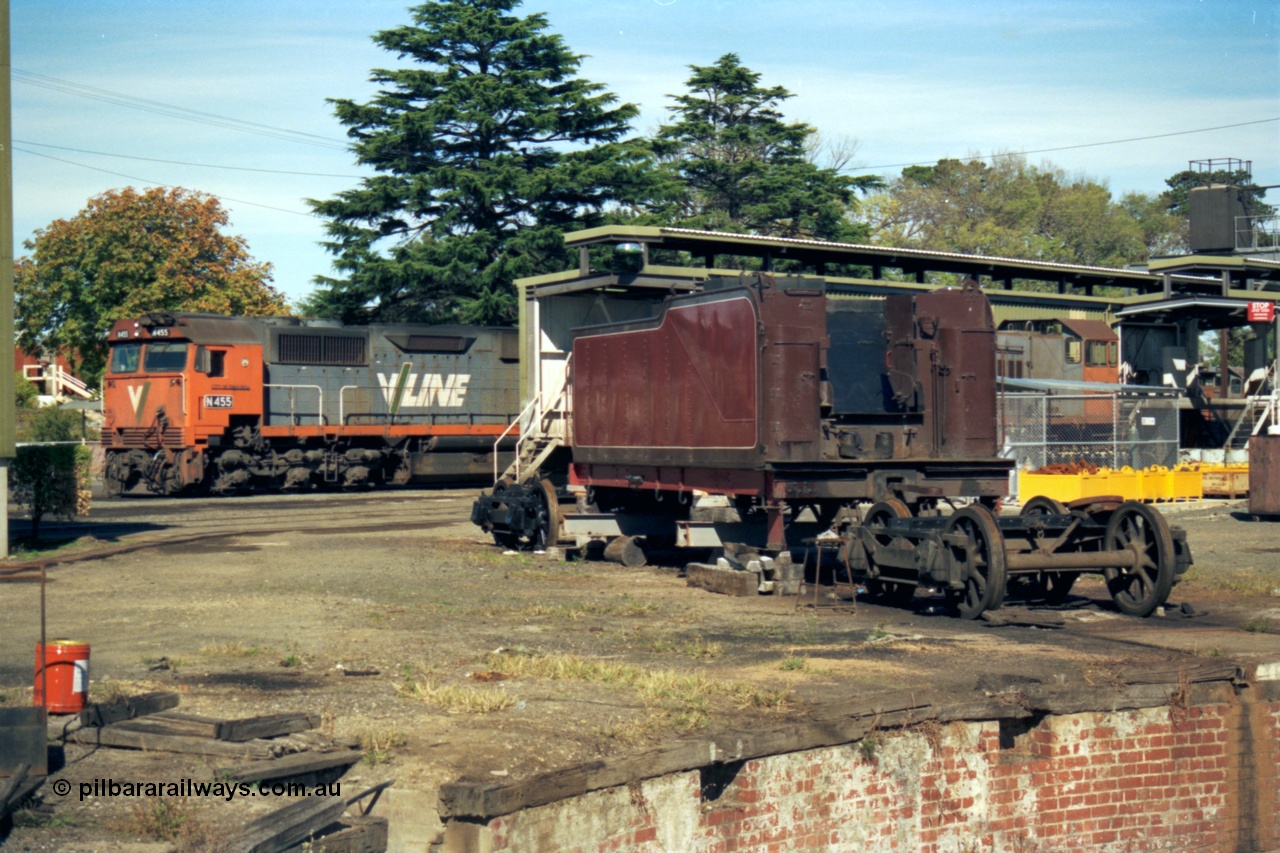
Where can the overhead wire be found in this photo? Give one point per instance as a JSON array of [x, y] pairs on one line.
[[159, 183], [174, 111], [184, 163], [1074, 147]]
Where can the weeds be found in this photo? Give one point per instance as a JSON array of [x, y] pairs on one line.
[[380, 745], [172, 820], [698, 647], [685, 698], [234, 650], [454, 698], [291, 661], [1257, 625], [793, 664]]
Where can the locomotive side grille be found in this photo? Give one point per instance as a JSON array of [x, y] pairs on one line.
[[437, 343], [341, 351], [144, 438]]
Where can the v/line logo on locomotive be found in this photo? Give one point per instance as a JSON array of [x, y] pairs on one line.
[[402, 390]]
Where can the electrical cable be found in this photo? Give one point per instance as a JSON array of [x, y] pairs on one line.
[[1071, 147], [159, 183], [183, 163]]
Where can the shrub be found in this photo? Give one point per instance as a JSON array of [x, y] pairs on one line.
[[51, 480], [25, 391], [52, 424]]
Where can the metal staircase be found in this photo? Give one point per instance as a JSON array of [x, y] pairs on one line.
[[1259, 411], [542, 430]]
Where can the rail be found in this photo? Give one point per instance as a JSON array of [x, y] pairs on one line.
[[293, 416]]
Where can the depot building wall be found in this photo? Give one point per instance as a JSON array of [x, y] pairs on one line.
[[1179, 777]]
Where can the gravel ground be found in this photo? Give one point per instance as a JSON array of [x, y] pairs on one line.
[[260, 605]]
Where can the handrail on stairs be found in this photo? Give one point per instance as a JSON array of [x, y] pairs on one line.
[[536, 415]]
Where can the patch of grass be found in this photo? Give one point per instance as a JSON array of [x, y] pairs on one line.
[[869, 746], [379, 745], [33, 819], [291, 661], [9, 695], [171, 819], [621, 609], [1249, 581], [455, 698], [26, 548], [1258, 625], [697, 647], [109, 690], [234, 650], [166, 663], [686, 697], [792, 664]]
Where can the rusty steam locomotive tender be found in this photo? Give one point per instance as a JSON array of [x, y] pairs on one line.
[[767, 391], [209, 402]]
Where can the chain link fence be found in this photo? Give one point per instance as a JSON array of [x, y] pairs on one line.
[[1104, 430]]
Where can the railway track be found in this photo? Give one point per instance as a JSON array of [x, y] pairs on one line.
[[129, 524]]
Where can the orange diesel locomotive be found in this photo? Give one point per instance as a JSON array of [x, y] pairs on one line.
[[209, 402]]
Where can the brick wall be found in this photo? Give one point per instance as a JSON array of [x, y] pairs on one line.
[[1196, 777]]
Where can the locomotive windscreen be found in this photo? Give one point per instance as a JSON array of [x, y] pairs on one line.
[[856, 359]]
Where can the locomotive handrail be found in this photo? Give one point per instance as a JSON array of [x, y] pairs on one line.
[[515, 423], [292, 415], [536, 414], [342, 417]]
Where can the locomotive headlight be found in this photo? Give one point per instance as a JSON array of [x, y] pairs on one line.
[[244, 362]]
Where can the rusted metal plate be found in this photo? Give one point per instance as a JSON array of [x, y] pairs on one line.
[[1264, 466]]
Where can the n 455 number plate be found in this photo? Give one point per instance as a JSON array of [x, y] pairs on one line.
[[218, 401]]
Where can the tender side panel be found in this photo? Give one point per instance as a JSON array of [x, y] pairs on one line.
[[688, 383]]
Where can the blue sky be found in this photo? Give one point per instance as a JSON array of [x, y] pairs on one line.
[[911, 81]]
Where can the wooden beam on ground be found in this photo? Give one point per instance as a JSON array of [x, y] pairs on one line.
[[291, 825], [270, 725], [363, 834], [120, 735], [104, 714], [298, 764], [11, 787]]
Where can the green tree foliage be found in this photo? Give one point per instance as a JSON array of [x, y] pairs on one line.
[[50, 480], [1177, 197], [25, 391], [1007, 208], [487, 150], [125, 254], [731, 162]]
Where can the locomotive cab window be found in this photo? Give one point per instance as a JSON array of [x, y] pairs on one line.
[[164, 357], [210, 362], [1098, 353], [1073, 350], [124, 358]]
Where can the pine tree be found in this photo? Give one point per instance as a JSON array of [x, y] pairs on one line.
[[732, 162], [487, 149]]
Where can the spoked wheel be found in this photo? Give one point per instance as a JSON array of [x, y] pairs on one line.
[[896, 593], [1136, 527], [1051, 587], [981, 555], [1042, 505]]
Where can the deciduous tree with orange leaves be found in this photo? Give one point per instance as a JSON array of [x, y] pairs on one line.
[[129, 252]]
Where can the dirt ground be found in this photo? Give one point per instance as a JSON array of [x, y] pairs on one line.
[[494, 666]]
